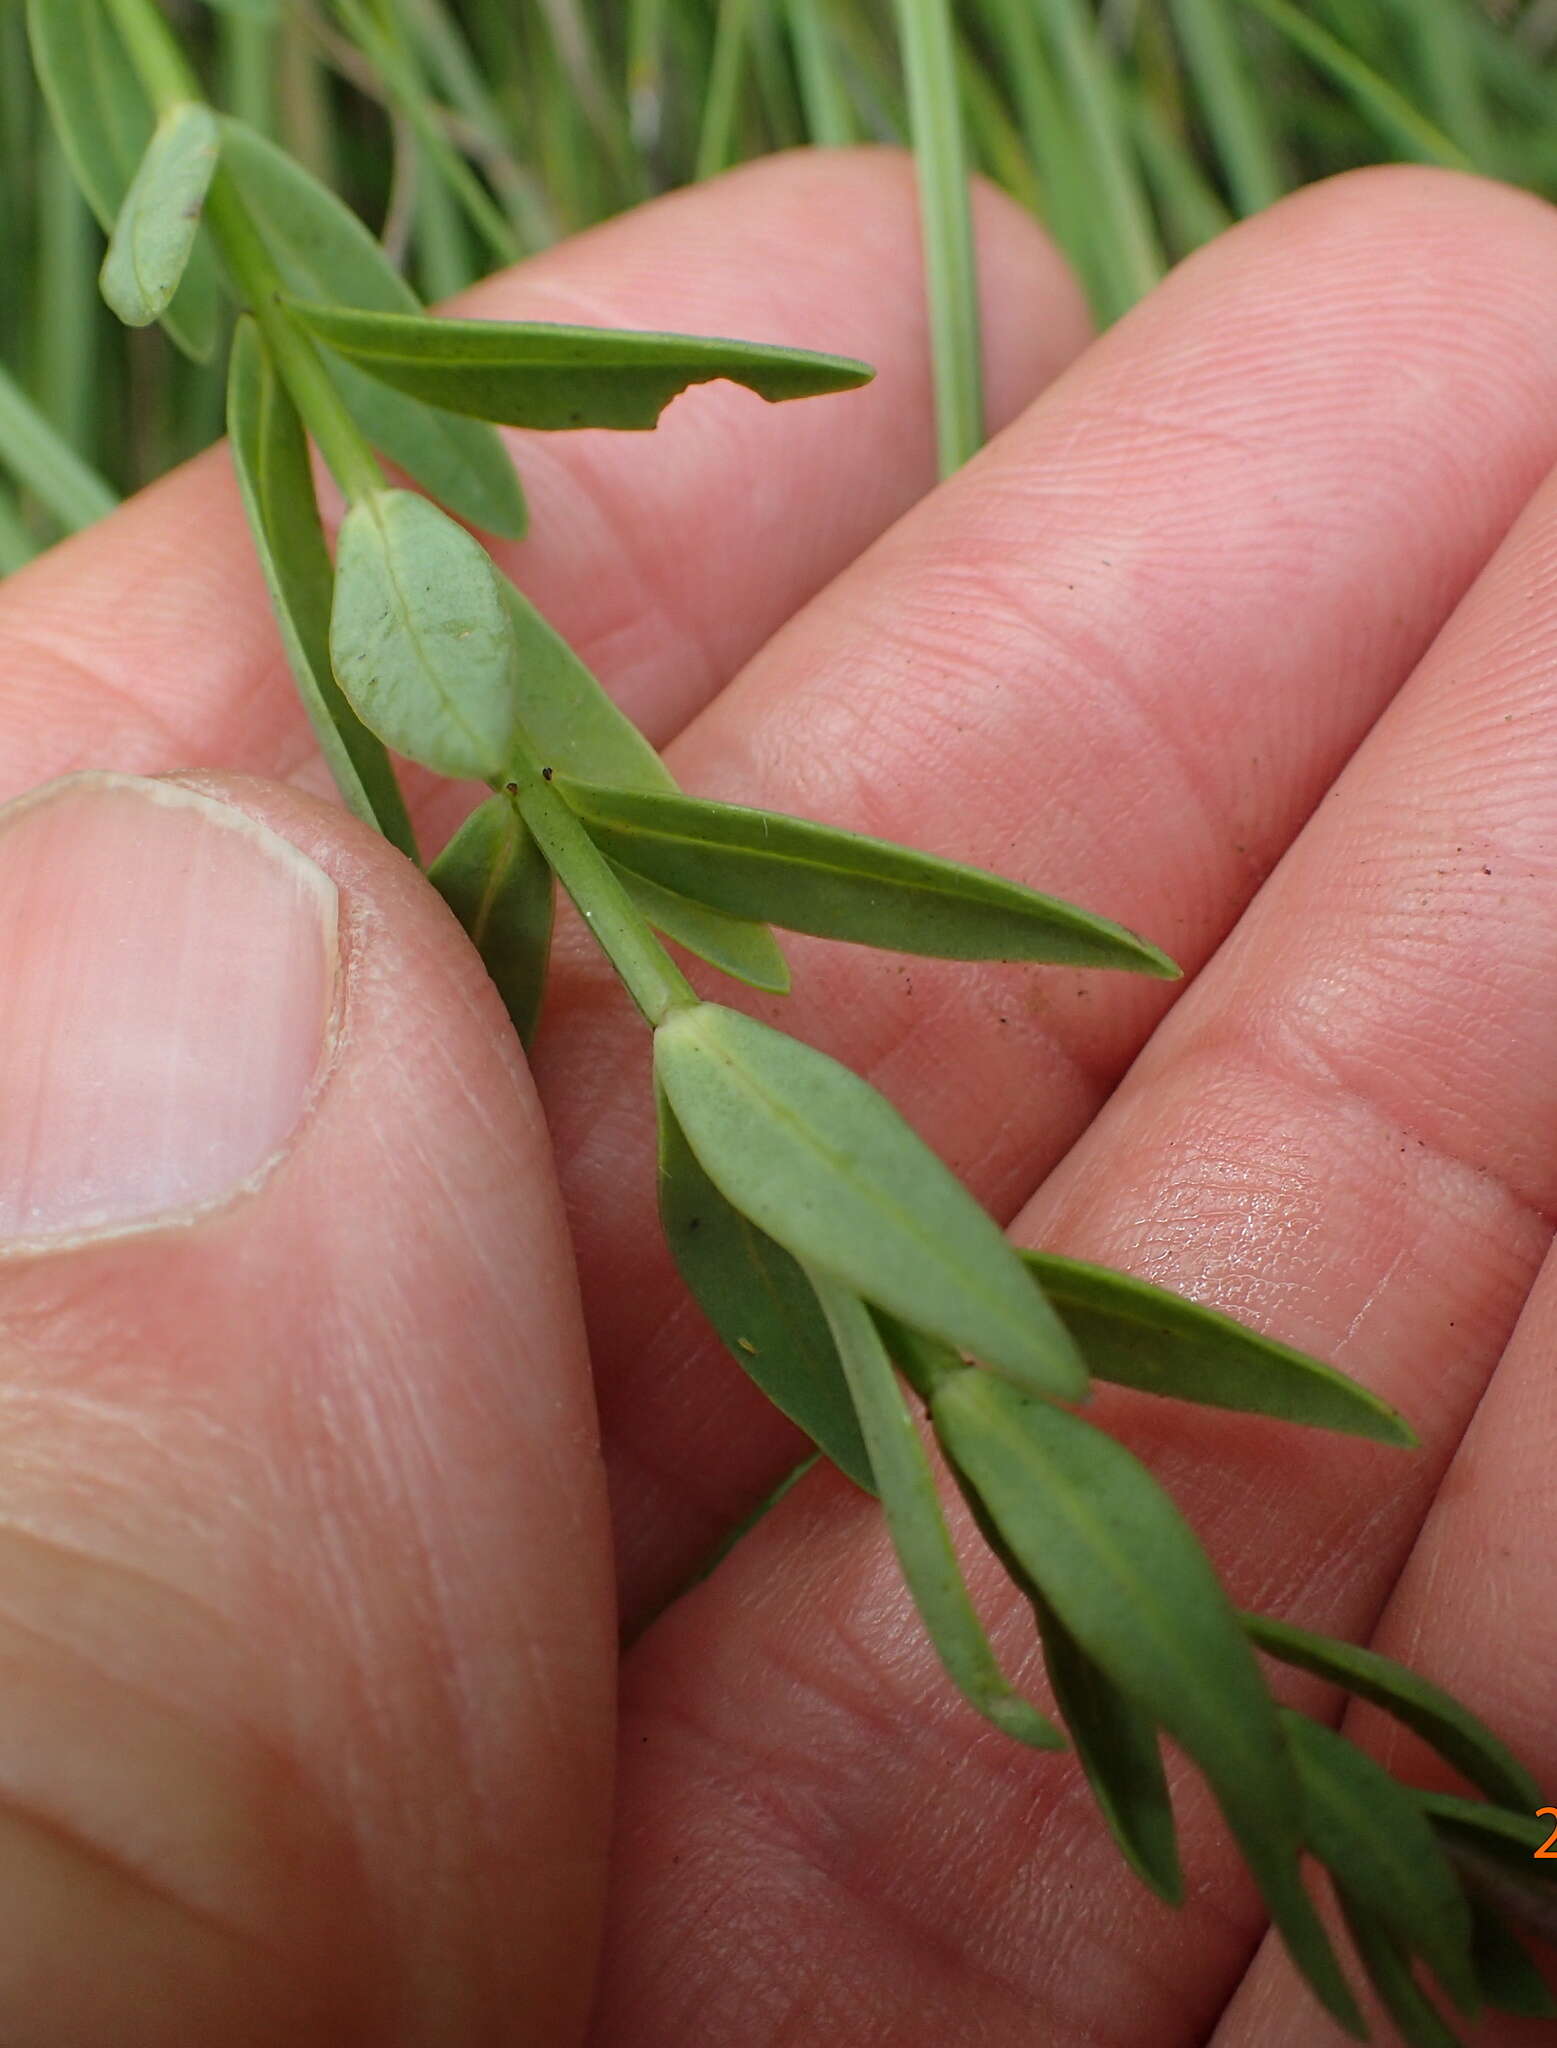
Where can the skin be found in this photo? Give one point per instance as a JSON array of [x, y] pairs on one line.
[[1240, 632]]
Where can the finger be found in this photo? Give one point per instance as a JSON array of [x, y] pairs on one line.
[[1345, 1133], [1119, 657], [666, 558], [305, 1618]]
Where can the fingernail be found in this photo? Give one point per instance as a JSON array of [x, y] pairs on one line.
[[169, 978]]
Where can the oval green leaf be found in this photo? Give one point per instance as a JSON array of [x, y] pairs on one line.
[[840, 885], [906, 1484], [154, 235], [1112, 1555], [270, 455], [1146, 1337], [495, 879], [419, 637], [821, 1162], [1434, 1714], [760, 1302], [323, 250], [104, 123], [533, 374], [1116, 1740], [1376, 1843], [745, 951]]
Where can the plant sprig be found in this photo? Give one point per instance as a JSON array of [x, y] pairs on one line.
[[841, 1262]]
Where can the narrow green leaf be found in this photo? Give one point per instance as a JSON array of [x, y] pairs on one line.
[[104, 124], [1388, 1965], [270, 455], [1434, 1714], [1149, 1338], [574, 726], [1116, 1740], [1111, 1554], [1375, 1841], [919, 1533], [248, 10], [419, 637], [759, 1300], [1497, 1853], [1509, 1980], [821, 1162], [495, 879], [531, 374], [840, 885], [323, 250], [45, 464], [746, 951], [154, 235]]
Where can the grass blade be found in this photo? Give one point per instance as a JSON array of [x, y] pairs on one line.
[[531, 374], [918, 1528], [1377, 1845], [494, 878], [841, 885], [935, 121], [759, 1300], [1111, 1554], [1240, 125], [323, 250], [45, 465], [154, 235], [823, 1164], [270, 455], [1158, 1342], [1434, 1714], [419, 637]]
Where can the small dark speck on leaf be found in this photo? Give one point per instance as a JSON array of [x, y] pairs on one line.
[[694, 1222], [545, 775], [512, 788]]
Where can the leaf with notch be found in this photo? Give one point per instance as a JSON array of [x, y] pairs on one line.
[[154, 235], [841, 885], [270, 455], [1112, 1555], [1149, 1338], [1375, 1841], [746, 951], [419, 637], [918, 1528], [822, 1163], [1116, 1740], [533, 374], [495, 879], [1434, 1714], [324, 251], [104, 123], [759, 1300]]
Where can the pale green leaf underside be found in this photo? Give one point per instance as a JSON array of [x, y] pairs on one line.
[[738, 947], [1149, 1338], [495, 879], [154, 235], [419, 637], [826, 1166], [1376, 1843], [1434, 1714], [1116, 1740], [1112, 1555], [575, 727], [760, 1302], [841, 885], [104, 124], [906, 1484], [539, 375], [323, 250], [270, 455]]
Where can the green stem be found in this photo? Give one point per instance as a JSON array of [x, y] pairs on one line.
[[935, 118], [652, 978]]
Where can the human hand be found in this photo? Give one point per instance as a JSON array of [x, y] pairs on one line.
[[309, 1627]]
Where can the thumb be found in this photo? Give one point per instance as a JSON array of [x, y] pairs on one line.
[[305, 1624]]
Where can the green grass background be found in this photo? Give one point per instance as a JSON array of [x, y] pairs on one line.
[[471, 132]]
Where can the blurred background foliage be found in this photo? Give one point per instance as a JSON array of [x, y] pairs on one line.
[[470, 132]]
